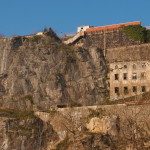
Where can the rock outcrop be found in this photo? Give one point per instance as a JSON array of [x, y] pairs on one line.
[[104, 125], [43, 72], [24, 131]]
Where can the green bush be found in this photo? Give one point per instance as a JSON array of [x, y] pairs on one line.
[[136, 32], [148, 36]]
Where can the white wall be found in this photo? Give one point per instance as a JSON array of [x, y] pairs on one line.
[[82, 28]]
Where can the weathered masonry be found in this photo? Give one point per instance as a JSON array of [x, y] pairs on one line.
[[129, 79], [102, 37]]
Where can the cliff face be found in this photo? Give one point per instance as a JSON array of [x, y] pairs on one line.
[[103, 127], [24, 131], [42, 71]]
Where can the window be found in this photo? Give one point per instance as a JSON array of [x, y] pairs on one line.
[[125, 76], [134, 76], [134, 66], [143, 65], [134, 89], [126, 90], [143, 75], [117, 90], [125, 66], [143, 88], [116, 76], [116, 67]]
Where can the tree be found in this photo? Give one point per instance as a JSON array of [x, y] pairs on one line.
[[148, 36]]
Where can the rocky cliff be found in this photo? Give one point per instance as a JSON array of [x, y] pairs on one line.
[[24, 131], [41, 71]]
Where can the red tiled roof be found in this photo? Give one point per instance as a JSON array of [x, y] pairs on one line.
[[111, 27]]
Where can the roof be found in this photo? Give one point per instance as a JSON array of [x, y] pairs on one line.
[[112, 27]]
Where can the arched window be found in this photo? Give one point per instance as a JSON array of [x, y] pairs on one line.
[[116, 67], [134, 66]]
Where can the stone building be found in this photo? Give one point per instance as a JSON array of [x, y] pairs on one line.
[[127, 59], [102, 37], [129, 73], [128, 79]]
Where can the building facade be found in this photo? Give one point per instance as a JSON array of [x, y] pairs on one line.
[[128, 79], [83, 28]]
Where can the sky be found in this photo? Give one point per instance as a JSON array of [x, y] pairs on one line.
[[24, 17]]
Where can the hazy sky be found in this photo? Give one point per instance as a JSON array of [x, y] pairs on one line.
[[22, 17]]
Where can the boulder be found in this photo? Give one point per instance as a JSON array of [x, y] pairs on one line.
[[104, 125]]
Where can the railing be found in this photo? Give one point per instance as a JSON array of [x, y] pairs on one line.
[[76, 37]]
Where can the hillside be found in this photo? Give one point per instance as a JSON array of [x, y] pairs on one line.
[[39, 75]]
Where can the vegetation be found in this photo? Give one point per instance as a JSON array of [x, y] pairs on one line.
[[29, 97], [36, 38], [99, 112], [12, 113], [148, 36], [23, 128], [75, 104], [50, 32], [137, 33], [63, 145]]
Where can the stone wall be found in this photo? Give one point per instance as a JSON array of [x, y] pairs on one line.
[[128, 53], [77, 118], [121, 61], [128, 79], [114, 38]]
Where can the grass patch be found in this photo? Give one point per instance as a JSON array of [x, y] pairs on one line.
[[18, 114], [75, 104], [23, 128]]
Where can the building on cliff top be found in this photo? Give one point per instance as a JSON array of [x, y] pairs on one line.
[[83, 28], [87, 30], [111, 27], [128, 79]]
